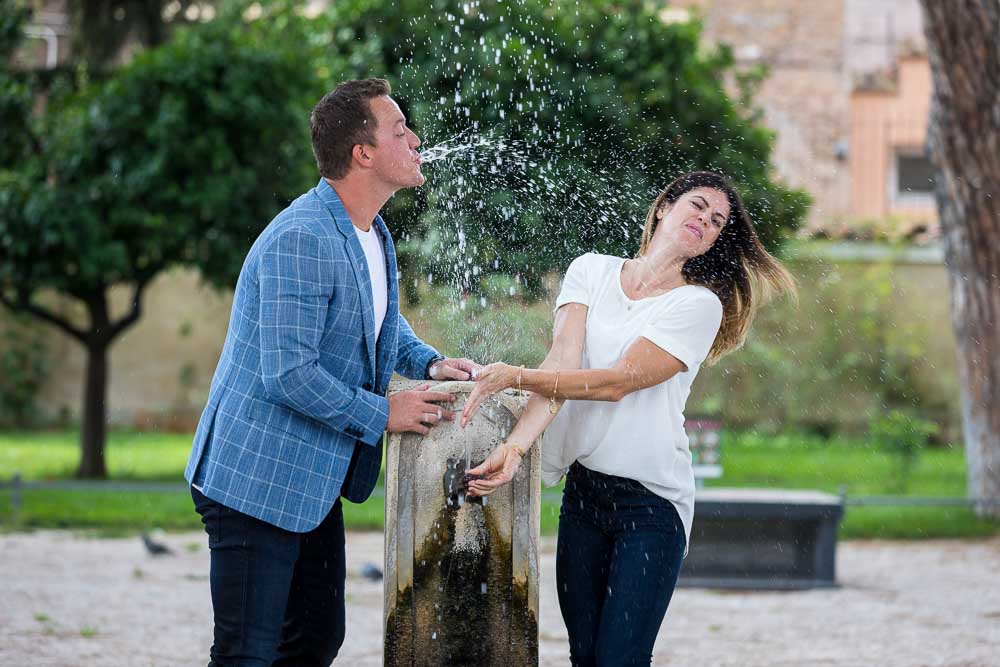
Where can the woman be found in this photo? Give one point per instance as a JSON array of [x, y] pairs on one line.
[[629, 338]]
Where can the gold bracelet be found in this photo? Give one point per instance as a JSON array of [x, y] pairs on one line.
[[520, 452], [553, 407], [519, 371]]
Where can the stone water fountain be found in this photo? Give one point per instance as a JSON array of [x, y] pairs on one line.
[[461, 576]]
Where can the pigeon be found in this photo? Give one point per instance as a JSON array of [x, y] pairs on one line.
[[155, 548], [371, 572]]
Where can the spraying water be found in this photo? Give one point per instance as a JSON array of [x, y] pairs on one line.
[[509, 169]]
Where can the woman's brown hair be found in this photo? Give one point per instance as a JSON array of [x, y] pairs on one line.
[[736, 268]]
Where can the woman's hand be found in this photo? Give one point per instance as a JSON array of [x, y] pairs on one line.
[[490, 380], [498, 469]]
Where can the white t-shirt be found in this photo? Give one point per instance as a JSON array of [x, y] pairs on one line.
[[371, 243], [642, 436]]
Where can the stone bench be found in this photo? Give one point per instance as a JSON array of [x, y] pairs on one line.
[[763, 539]]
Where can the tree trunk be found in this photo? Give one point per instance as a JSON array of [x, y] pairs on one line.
[[93, 428], [964, 140], [95, 388]]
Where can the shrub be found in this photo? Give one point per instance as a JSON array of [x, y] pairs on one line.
[[902, 436], [498, 325], [24, 367], [849, 351]]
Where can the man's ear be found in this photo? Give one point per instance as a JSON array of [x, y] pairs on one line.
[[361, 154]]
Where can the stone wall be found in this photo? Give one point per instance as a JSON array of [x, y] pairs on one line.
[[160, 369]]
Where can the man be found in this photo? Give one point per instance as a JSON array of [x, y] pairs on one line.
[[297, 407]]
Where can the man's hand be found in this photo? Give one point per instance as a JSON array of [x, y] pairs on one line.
[[415, 411], [454, 369]]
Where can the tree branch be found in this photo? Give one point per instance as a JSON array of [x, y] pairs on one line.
[[134, 313], [23, 305]]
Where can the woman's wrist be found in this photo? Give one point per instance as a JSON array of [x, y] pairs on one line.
[[519, 381], [541, 380], [520, 451]]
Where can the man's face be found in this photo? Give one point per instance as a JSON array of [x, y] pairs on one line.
[[394, 158]]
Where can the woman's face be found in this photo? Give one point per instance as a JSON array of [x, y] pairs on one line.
[[695, 220]]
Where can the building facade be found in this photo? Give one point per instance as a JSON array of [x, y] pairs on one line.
[[47, 36], [847, 94]]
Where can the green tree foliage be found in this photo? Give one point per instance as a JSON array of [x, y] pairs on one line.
[[600, 105], [179, 158]]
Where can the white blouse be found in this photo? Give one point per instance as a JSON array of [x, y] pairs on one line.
[[642, 436]]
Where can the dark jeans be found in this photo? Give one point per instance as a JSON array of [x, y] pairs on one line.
[[278, 596], [619, 553]]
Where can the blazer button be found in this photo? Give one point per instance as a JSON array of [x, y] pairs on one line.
[[367, 386]]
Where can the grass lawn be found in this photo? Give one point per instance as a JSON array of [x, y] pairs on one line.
[[752, 460], [795, 461]]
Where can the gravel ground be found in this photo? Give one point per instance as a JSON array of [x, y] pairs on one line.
[[72, 600]]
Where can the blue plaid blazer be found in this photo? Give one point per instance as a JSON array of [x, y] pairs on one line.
[[300, 389]]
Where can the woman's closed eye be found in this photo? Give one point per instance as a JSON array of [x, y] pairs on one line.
[[716, 219]]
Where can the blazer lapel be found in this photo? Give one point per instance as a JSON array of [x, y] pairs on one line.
[[358, 262]]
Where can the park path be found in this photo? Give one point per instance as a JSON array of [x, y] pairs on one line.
[[74, 601]]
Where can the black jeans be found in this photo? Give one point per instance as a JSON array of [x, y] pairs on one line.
[[619, 553], [278, 596]]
